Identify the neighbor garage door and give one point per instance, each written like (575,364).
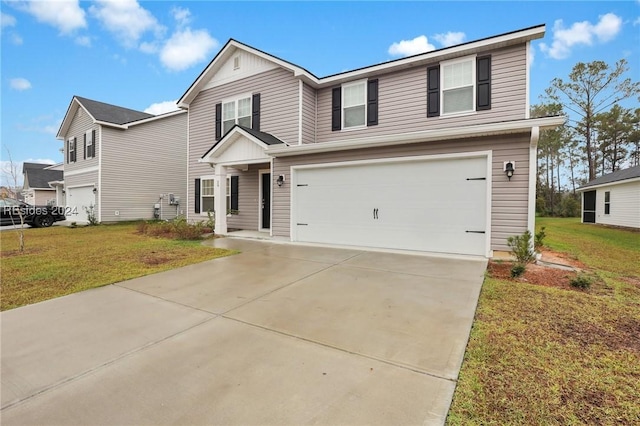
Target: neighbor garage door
(77,200)
(426,205)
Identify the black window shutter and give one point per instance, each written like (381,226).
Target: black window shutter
(218,121)
(197,196)
(372,102)
(234,192)
(483,77)
(75,149)
(433,91)
(336,108)
(255,113)
(68,151)
(93,145)
(85,147)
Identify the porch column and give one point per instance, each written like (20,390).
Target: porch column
(220,199)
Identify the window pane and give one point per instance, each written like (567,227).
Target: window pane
(354,116)
(456,75)
(207,187)
(245,121)
(457,100)
(229,111)
(207,204)
(227,125)
(353,95)
(607,194)
(244,107)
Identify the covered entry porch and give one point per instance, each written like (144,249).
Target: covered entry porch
(242,182)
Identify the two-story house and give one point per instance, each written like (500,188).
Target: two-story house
(123,164)
(433,152)
(40,181)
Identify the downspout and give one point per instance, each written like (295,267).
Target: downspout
(300,90)
(186,206)
(99,174)
(533,161)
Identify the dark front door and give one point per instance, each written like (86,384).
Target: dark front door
(589,207)
(266,200)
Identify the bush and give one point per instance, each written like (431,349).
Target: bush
(178,229)
(582,281)
(91,215)
(569,206)
(142,227)
(517,270)
(521,247)
(538,241)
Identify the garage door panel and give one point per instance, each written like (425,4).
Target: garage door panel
(78,199)
(421,205)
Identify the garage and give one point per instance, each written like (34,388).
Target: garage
(434,204)
(77,199)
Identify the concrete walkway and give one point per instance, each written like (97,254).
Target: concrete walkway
(279,334)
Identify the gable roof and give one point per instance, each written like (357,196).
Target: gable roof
(100,112)
(227,51)
(620,175)
(38,175)
(261,138)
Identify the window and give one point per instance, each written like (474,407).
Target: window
(206,193)
(607,202)
(237,111)
(458,81)
(354,101)
(89,148)
(228,193)
(71,150)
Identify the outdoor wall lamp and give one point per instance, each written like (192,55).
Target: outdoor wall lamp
(280,180)
(95,190)
(509,167)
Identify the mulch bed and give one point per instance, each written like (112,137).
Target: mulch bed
(534,274)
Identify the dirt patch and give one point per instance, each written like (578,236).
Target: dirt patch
(561,259)
(155,258)
(534,274)
(27,251)
(620,333)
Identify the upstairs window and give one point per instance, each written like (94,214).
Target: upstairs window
(458,88)
(71,150)
(237,111)
(89,144)
(354,101)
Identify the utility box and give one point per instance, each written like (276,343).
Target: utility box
(173,200)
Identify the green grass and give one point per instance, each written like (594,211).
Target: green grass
(60,260)
(543,355)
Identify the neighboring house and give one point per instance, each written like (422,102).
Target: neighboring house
(408,154)
(613,199)
(6,192)
(122,163)
(39,183)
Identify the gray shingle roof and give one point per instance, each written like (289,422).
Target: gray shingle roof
(630,173)
(112,113)
(267,138)
(38,177)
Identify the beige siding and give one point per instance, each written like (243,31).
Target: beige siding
(624,205)
(139,164)
(402,105)
(508,198)
(308,114)
(81,179)
(279,101)
(80,124)
(43,196)
(248,199)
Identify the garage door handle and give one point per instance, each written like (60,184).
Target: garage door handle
(375,213)
(482,178)
(302,224)
(475,232)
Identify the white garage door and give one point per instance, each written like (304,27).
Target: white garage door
(77,200)
(425,205)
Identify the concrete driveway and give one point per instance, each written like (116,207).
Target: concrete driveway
(279,334)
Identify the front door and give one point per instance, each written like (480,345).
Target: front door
(265,204)
(589,207)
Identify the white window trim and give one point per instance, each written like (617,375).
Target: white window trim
(203,212)
(607,203)
(353,83)
(471,58)
(90,142)
(70,145)
(235,100)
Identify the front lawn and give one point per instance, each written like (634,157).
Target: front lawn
(545,355)
(60,260)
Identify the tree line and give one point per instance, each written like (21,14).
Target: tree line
(600,136)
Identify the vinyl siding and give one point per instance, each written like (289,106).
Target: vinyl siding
(308,114)
(139,164)
(248,199)
(81,179)
(279,101)
(402,100)
(43,196)
(624,205)
(508,198)
(80,124)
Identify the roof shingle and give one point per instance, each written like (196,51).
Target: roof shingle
(38,177)
(112,113)
(630,173)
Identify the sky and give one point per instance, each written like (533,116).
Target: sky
(144,55)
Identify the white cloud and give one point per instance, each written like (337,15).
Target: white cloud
(83,41)
(20,84)
(581,33)
(182,16)
(532,55)
(637,21)
(65,15)
(162,107)
(450,38)
(186,48)
(419,44)
(7,20)
(40,160)
(16,39)
(126,19)
(149,48)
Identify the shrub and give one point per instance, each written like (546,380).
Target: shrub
(517,270)
(538,241)
(521,247)
(142,227)
(91,215)
(582,281)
